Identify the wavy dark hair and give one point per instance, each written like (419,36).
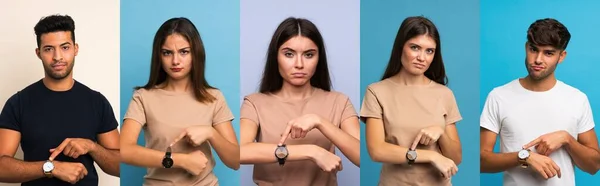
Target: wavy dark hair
(158,75)
(412,27)
(289,28)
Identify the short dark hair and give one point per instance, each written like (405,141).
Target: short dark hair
(54,23)
(289,28)
(158,75)
(548,32)
(412,27)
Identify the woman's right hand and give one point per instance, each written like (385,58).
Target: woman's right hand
(445,165)
(195,162)
(328,161)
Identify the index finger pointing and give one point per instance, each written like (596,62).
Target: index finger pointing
(285,134)
(59,149)
(183,134)
(416,142)
(532,143)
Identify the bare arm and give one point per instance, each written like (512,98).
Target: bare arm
(584,151)
(494,162)
(449,144)
(107,154)
(346,138)
(13,170)
(252,152)
(382,151)
(136,155)
(224,141)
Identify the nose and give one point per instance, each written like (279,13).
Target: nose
(538,58)
(176,59)
(299,62)
(58,55)
(421,56)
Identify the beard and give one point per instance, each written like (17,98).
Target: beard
(58,75)
(543,74)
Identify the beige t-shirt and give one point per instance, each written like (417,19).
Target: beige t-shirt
(405,110)
(164,115)
(272,114)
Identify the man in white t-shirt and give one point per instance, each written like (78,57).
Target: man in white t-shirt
(546,127)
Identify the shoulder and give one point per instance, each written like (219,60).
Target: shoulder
(571,92)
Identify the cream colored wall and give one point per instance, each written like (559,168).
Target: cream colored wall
(96,65)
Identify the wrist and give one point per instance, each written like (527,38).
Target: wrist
(311,151)
(318,122)
(568,139)
(426,156)
(179,160)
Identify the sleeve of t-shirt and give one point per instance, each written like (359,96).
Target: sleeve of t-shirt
(490,115)
(108,122)
(586,121)
(10,115)
(452,114)
(348,111)
(135,111)
(222,112)
(248,111)
(370,106)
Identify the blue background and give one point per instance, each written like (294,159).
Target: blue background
(218,24)
(503,35)
(458,24)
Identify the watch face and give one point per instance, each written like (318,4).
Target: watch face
(48,166)
(411,155)
(281,152)
(167,162)
(523,154)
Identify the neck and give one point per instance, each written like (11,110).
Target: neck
(406,78)
(289,91)
(181,85)
(538,85)
(59,85)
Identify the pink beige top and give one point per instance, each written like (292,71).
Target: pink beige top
(405,110)
(272,113)
(164,115)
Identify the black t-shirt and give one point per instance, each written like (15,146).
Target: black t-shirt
(45,118)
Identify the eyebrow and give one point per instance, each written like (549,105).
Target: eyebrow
(309,50)
(63,44)
(535,47)
(178,50)
(420,45)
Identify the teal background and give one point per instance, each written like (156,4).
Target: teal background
(218,24)
(458,24)
(504,27)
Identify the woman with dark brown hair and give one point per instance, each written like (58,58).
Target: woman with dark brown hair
(410,114)
(290,129)
(178,103)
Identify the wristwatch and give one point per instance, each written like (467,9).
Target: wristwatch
(48,167)
(523,155)
(281,153)
(411,156)
(167,162)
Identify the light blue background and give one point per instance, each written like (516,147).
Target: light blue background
(458,24)
(218,24)
(338,22)
(503,35)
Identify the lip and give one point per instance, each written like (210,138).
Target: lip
(419,65)
(176,69)
(59,66)
(537,68)
(298,75)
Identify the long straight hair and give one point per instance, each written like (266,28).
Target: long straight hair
(412,27)
(289,28)
(158,75)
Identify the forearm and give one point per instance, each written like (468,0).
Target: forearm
(144,157)
(257,153)
(107,159)
(491,162)
(389,153)
(228,152)
(17,171)
(348,144)
(586,158)
(450,148)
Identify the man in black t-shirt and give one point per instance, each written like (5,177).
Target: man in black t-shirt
(63,126)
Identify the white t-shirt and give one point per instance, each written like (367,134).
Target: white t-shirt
(519,116)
